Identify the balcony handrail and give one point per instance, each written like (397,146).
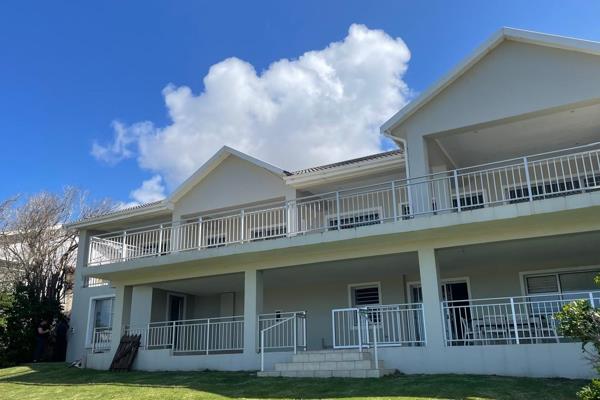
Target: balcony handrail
(533,297)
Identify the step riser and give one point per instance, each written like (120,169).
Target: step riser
(327,366)
(370,373)
(316,357)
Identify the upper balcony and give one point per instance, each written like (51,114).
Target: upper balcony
(526,179)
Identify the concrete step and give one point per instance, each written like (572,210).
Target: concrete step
(315,356)
(327,365)
(354,373)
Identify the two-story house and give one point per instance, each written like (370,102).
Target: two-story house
(449,255)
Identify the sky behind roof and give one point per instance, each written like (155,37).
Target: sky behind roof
(126,98)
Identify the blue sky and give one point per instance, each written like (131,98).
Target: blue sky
(69,69)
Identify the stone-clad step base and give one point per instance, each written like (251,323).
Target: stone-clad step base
(329,364)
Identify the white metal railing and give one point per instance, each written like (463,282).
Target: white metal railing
(507,320)
(221,334)
(391,325)
(540,176)
(281,331)
(101,339)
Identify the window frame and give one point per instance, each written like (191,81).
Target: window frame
(92,311)
(354,214)
(353,286)
(523,275)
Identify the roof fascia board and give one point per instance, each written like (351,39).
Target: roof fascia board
(164,206)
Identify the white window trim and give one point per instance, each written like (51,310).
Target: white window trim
(460,279)
(168,307)
(551,271)
(364,284)
(357,213)
(89,326)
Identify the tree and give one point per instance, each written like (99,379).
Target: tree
(38,255)
(580,320)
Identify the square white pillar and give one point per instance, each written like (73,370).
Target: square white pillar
(431,291)
(141,306)
(253,303)
(119,319)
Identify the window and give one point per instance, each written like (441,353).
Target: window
(216,241)
(94,282)
(364,295)
(544,191)
(103,313)
(469,201)
(100,317)
(561,282)
(269,232)
(355,220)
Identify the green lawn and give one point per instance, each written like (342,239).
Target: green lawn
(56,381)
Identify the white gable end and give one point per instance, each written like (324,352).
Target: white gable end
(234,181)
(514,78)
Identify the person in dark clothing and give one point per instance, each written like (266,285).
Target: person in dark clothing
(61,331)
(41,340)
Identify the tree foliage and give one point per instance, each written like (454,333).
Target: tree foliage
(580,320)
(38,254)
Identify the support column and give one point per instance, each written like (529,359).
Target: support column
(253,303)
(141,306)
(420,199)
(119,318)
(430,286)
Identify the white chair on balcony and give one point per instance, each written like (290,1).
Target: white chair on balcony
(493,328)
(469,334)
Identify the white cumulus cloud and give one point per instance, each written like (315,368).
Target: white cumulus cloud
(325,106)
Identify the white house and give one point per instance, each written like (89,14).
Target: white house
(449,255)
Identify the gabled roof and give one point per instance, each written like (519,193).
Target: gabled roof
(371,157)
(213,162)
(517,35)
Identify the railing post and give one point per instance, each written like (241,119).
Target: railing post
(304,344)
(456,191)
(172,337)
(409,197)
(207,334)
(295,333)
(591,299)
(359,320)
(262,351)
(160,239)
(514,319)
(337,208)
(199,232)
(394,202)
(124,253)
(375,347)
(526,166)
(242,225)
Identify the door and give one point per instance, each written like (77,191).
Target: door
(176,304)
(455,291)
